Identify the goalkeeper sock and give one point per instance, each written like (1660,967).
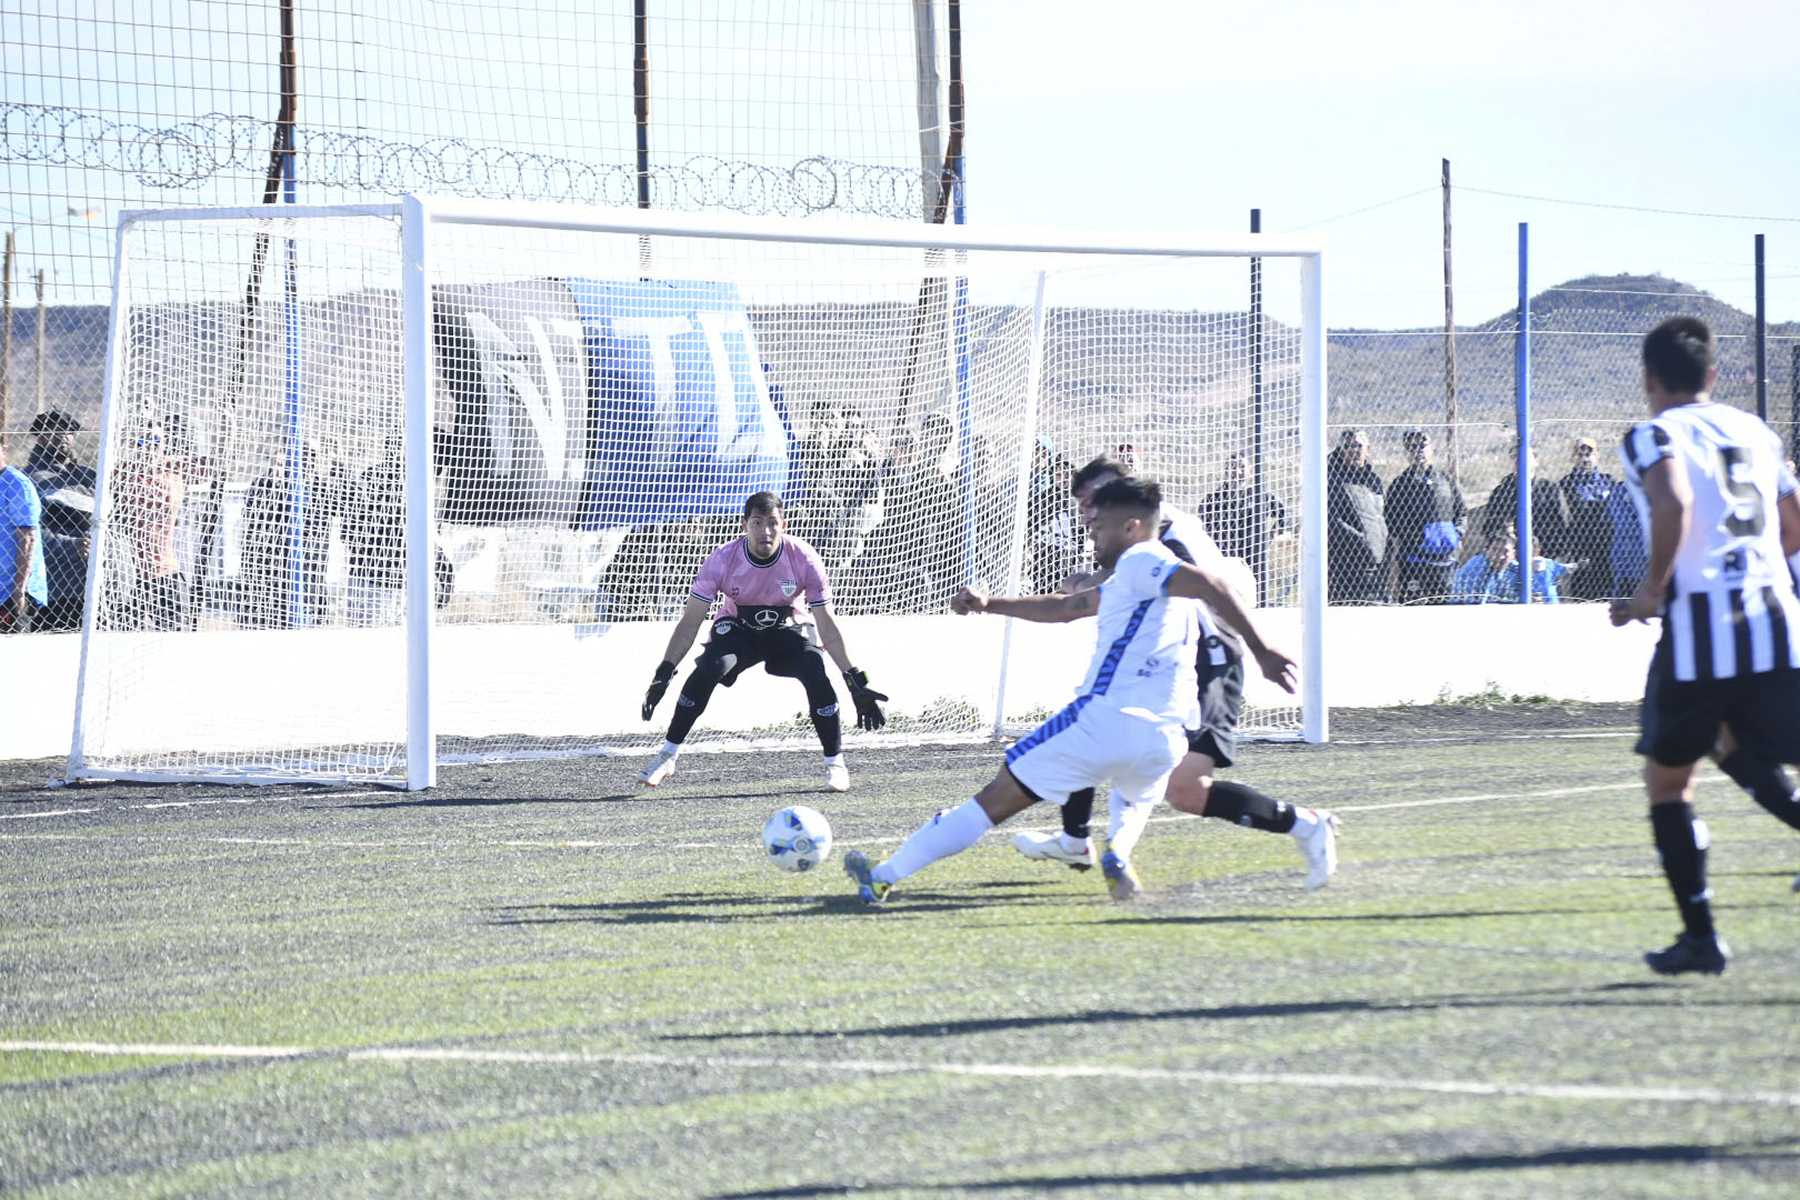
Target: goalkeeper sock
(831,733)
(1077,815)
(1682,839)
(695,692)
(1768,784)
(1248,807)
(1125,824)
(950,832)
(671,748)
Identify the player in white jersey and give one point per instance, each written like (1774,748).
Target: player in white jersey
(1721,516)
(1211,737)
(1127,723)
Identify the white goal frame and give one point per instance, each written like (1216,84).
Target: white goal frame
(418,216)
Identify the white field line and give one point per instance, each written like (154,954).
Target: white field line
(1600,1093)
(55,812)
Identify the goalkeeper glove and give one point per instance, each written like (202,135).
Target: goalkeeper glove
(665,671)
(868,708)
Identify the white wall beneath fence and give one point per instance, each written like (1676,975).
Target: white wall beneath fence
(564,680)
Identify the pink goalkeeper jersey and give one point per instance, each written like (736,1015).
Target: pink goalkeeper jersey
(729,574)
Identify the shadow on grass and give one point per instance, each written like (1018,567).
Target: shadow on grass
(1112,1185)
(1663,994)
(714,907)
(1286,917)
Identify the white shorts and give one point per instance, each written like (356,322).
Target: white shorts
(1090,741)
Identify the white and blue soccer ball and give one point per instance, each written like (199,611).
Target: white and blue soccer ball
(797,838)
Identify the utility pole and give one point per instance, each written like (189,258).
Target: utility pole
(40,340)
(6,338)
(1449,342)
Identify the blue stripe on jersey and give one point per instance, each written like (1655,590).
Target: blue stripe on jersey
(1047,730)
(1116,652)
(1102,680)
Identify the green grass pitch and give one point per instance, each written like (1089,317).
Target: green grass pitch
(536,981)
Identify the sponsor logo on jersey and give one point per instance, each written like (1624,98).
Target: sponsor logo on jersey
(765,618)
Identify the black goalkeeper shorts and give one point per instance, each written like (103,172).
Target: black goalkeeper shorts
(1221,707)
(737,647)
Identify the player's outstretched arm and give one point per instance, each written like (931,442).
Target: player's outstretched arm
(1671,502)
(1198,583)
(1054,609)
(680,642)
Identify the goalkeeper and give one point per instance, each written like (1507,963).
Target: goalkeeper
(759,579)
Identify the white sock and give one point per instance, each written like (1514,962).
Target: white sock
(1305,821)
(834,760)
(671,748)
(1125,824)
(1074,845)
(950,832)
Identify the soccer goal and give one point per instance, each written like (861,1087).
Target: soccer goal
(388,486)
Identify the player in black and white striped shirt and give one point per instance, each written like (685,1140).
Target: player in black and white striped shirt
(1721,516)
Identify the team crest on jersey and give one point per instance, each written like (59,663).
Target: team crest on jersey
(788,588)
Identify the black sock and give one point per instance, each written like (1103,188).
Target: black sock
(1768,784)
(822,705)
(1246,806)
(1681,839)
(695,692)
(1077,812)
(831,732)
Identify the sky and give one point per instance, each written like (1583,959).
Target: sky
(1134,116)
(1187,115)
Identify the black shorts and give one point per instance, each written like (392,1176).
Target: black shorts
(1679,721)
(1221,707)
(737,647)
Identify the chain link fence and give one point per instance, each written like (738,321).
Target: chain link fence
(1423,469)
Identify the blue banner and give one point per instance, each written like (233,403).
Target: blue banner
(598,404)
(683,421)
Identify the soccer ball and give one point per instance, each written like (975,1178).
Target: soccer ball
(797,838)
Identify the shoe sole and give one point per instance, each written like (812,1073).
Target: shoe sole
(1697,969)
(1035,856)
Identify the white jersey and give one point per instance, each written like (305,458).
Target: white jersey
(1144,650)
(1186,535)
(1731,608)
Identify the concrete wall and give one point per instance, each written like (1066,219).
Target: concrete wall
(341,685)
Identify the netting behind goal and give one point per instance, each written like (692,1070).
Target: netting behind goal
(602,401)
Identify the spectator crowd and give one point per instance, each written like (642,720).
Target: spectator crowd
(1413,540)
(901,521)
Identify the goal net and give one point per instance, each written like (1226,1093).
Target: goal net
(395,485)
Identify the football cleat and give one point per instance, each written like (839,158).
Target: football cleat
(1691,952)
(1320,848)
(1050,848)
(660,768)
(869,889)
(1796,883)
(1121,880)
(837,777)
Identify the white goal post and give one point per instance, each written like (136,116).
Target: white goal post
(384,486)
